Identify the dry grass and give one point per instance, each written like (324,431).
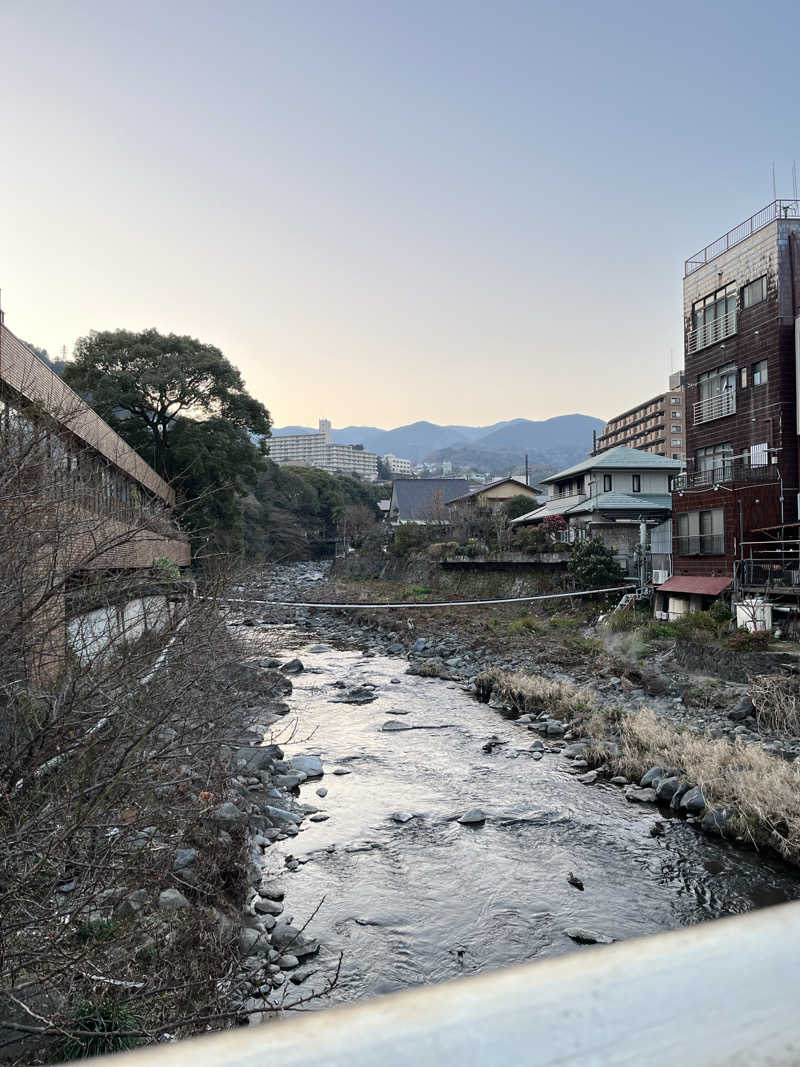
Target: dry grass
(762,790)
(529,694)
(777,702)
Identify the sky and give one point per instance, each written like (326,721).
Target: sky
(387,211)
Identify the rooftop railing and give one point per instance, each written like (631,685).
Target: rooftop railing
(778,209)
(727,470)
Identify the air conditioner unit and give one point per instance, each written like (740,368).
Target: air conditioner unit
(659,577)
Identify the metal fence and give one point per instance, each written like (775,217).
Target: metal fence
(778,209)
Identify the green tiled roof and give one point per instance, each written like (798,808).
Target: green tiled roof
(620,458)
(637,502)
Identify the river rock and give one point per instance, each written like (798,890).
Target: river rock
(316,649)
(267,907)
(397,711)
(281,814)
(311,766)
(302,973)
(587,937)
(642,796)
(294,666)
(575,750)
(401,816)
(743,710)
(392,725)
(473,817)
(253,942)
(619,779)
(288,963)
(172,900)
(227,812)
(271,892)
(717,821)
(682,789)
(339,771)
(589,778)
(693,802)
(319,817)
(184,857)
(285,936)
(651,777)
(667,788)
(322,791)
(290,781)
(133,903)
(358,695)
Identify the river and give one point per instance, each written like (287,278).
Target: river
(429,899)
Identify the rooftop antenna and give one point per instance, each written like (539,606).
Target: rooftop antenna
(794,178)
(774,192)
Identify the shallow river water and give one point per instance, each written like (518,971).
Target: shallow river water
(430,899)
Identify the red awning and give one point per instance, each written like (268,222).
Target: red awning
(684,583)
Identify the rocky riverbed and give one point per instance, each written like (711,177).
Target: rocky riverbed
(425,835)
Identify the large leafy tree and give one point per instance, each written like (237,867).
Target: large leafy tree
(183,406)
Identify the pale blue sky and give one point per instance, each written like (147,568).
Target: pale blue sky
(387,211)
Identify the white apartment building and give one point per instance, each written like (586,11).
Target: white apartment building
(318,450)
(398,466)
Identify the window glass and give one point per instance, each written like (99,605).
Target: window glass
(637,483)
(755,292)
(606,483)
(760,372)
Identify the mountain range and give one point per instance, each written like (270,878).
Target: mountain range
(551,443)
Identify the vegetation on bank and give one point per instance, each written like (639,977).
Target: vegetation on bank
(759,789)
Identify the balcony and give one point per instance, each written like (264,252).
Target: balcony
(712,332)
(715,407)
(726,470)
(700,545)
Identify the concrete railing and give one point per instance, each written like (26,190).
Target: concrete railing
(722,993)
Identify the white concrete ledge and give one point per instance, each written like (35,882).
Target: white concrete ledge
(721,993)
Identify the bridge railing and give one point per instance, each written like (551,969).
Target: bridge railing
(721,993)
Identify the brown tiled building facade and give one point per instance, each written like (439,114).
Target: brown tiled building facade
(657,426)
(741,304)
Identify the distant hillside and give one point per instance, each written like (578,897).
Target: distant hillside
(552,443)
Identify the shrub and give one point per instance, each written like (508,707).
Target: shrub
(720,612)
(103,1020)
(746,641)
(593,564)
(409,538)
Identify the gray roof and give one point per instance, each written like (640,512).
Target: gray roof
(619,458)
(419,499)
(635,503)
(491,485)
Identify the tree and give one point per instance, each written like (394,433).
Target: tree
(593,565)
(183,406)
(519,505)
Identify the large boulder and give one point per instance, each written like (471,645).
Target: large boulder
(652,777)
(667,788)
(693,802)
(311,766)
(288,938)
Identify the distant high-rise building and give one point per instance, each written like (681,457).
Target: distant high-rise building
(397,465)
(658,425)
(318,450)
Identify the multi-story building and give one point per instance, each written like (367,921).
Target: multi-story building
(78,505)
(318,450)
(657,426)
(396,465)
(742,340)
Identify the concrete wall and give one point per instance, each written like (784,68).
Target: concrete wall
(112,626)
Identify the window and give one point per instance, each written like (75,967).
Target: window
(713,463)
(676,428)
(760,373)
(714,317)
(743,377)
(701,533)
(754,292)
(714,382)
(675,455)
(636,480)
(675,400)
(606,483)
(759,455)
(676,443)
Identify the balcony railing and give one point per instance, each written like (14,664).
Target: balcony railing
(778,209)
(728,470)
(715,407)
(712,332)
(700,545)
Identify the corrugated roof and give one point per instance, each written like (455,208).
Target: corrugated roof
(419,499)
(699,586)
(619,458)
